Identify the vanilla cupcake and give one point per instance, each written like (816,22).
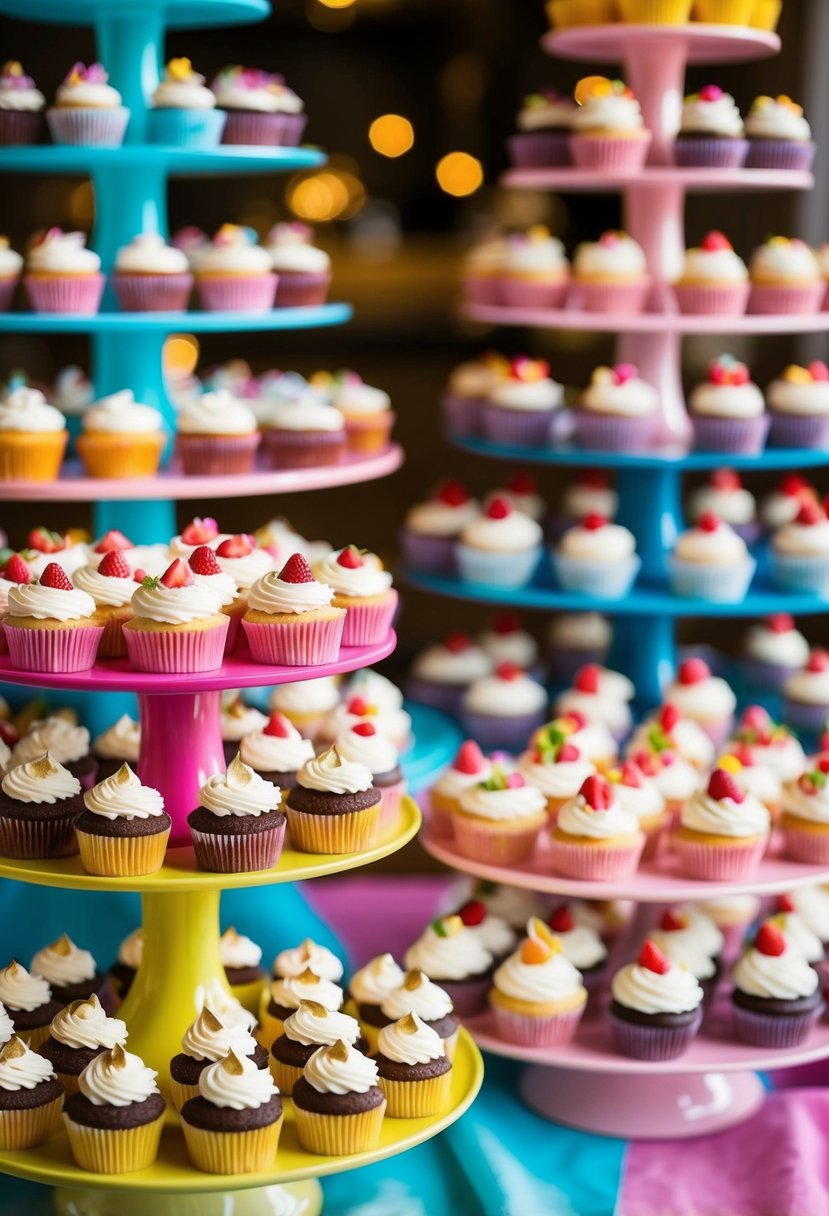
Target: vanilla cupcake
(303,271)
(62,275)
(441,673)
(184,112)
(367,412)
(498,821)
(706,699)
(714,279)
(217,434)
(151,276)
(535,271)
(785,278)
(798,402)
(594,837)
(611,275)
(608,132)
(597,558)
(21,106)
(234,273)
(121,437)
(87,110)
(617,411)
(799,552)
(779,135)
(261,108)
(728,410)
(537,995)
(711,562)
(520,408)
(431,528)
(501,547)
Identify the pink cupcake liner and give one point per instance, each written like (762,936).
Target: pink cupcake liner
(523,428)
(809,847)
(468,997)
(479,842)
(79,294)
(555,1030)
(303,449)
(238,293)
(775,1031)
(609,297)
(446,697)
(740,436)
(97,128)
(595,864)
(653,1042)
(430,554)
(238,854)
(539,149)
(799,431)
(719,863)
(217,455)
(785,301)
(274,130)
(302,290)
(653,839)
(160,651)
(7,289)
(506,732)
(609,153)
(366,624)
(390,798)
(710,153)
(727,299)
(461,415)
(4,646)
(300,644)
(31,838)
(519,293)
(482,289)
(54,650)
(804,716)
(614,433)
(152,292)
(780,154)
(18,128)
(234,632)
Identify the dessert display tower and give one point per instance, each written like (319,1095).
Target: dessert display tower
(586,1084)
(181,742)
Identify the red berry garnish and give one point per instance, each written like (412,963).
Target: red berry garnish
(652,959)
(457,642)
(505,623)
(235,546)
(818,370)
(769,940)
(756,719)
(365,729)
(521,482)
(509,671)
(722,785)
(725,479)
(708,522)
(810,513)
(9,733)
(358,707)
(785,903)
(594,522)
(596,793)
(55,576)
(568,753)
(203,561)
(470,759)
(744,754)
(473,913)
(715,241)
(561,919)
(452,494)
(115,565)
(296,570)
(668,717)
(818,661)
(16,570)
(587,679)
(278,726)
(693,671)
(671,922)
(113,540)
(632,775)
(177,575)
(515,782)
(793,485)
(780,622)
(45,541)
(497,508)
(200,531)
(350,558)
(594,479)
(578,719)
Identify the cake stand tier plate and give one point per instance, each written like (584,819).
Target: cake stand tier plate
(657,177)
(176,14)
(174,162)
(580,320)
(176,322)
(697,42)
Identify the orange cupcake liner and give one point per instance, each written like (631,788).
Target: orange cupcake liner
(31,457)
(116,457)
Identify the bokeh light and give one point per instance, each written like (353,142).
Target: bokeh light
(391,135)
(328,195)
(181,355)
(337,3)
(459,174)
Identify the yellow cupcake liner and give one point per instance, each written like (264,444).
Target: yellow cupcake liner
(26,456)
(179,1094)
(655,12)
(423,1099)
(34,1039)
(28,1128)
(564,14)
(103,1150)
(250,994)
(724,12)
(120,456)
(269,1028)
(348,833)
(285,1075)
(766,13)
(247,1152)
(122,856)
(339,1135)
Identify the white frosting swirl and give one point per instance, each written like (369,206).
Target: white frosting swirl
(576,818)
(131,950)
(713,266)
(790,397)
(706,700)
(359,400)
(810,687)
(807,540)
(812,807)
(677,991)
(711,116)
(64,741)
(273,754)
(724,817)
(117,1078)
(800,937)
(509,535)
(376,752)
(121,414)
(21,990)
(174,605)
(62,963)
(235,1083)
(248,569)
(517,646)
(367,580)
(289,990)
(311,956)
(331,773)
(678,949)
(611,542)
(22,1068)
(524,802)
(234,257)
(781,977)
(583,947)
(6,1026)
(239,719)
(599,709)
(632,398)
(553,980)
(618,258)
(149,253)
(727,400)
(410,1041)
(811,902)
(62,253)
(328,1074)
(84,1024)
(784,261)
(313,1025)
(236,950)
(270,594)
(121,741)
(105,589)
(417,994)
(40,781)
(456,956)
(374,982)
(306,697)
(307,413)
(239,791)
(49,603)
(722,546)
(777,119)
(612,112)
(495,695)
(122,796)
(735,506)
(211,1037)
(436,518)
(26,409)
(217,413)
(184,90)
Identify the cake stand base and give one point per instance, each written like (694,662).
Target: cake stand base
(663,1107)
(293,1199)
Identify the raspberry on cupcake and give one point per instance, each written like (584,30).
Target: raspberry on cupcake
(468,768)
(580,943)
(555,765)
(208,573)
(611,274)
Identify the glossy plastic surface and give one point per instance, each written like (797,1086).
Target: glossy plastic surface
(697,42)
(176,322)
(648,322)
(174,162)
(177,14)
(658,177)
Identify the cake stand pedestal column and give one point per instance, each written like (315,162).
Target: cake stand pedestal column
(644,648)
(650,506)
(129,42)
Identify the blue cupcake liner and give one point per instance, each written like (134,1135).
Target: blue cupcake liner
(186,128)
(497,569)
(800,572)
(721,584)
(607,580)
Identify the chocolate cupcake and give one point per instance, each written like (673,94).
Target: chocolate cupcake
(777,997)
(124,830)
(39,804)
(310,1027)
(277,752)
(208,1039)
(31,1097)
(454,956)
(65,741)
(285,998)
(238,825)
(233,1126)
(656,1007)
(70,972)
(367,990)
(334,807)
(119,744)
(238,720)
(413,1069)
(338,1105)
(114,1122)
(125,968)
(29,1003)
(432,1004)
(79,1033)
(241,958)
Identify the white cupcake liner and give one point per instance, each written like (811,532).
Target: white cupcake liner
(497,569)
(721,584)
(608,580)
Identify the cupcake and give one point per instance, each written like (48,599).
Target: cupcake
(498,820)
(33,437)
(554,765)
(502,709)
(334,807)
(234,273)
(537,995)
(79,1033)
(432,1004)
(177,625)
(286,995)
(500,547)
(775,746)
(611,275)
(799,552)
(303,270)
(216,435)
(151,276)
(781,505)
(413,1069)
(304,431)
(296,960)
(468,388)
(722,832)
(183,110)
(728,411)
(714,279)
(11,263)
(811,904)
(710,561)
(777,996)
(798,403)
(87,110)
(124,830)
(535,271)
(725,496)
(338,1105)
(656,1007)
(118,744)
(506,641)
(114,1122)
(120,437)
(62,275)
(70,971)
(580,943)
(617,411)
(608,133)
(364,744)
(590,492)
(575,639)
(237,826)
(482,271)
(597,558)
(123,971)
(806,693)
(368,988)
(639,792)
(111,586)
(28,1001)
(31,1097)
(785,278)
(431,529)
(597,696)
(594,839)
(374,706)
(261,109)
(39,805)
(307,704)
(310,1027)
(711,133)
(679,940)
(276,752)
(454,957)
(468,769)
(292,619)
(240,557)
(441,672)
(238,719)
(65,741)
(241,960)
(520,408)
(544,123)
(21,106)
(363,588)
(704,698)
(779,136)
(207,1039)
(805,815)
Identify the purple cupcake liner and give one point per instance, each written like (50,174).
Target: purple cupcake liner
(770,676)
(152,292)
(741,436)
(504,732)
(812,848)
(18,128)
(238,293)
(239,854)
(496,569)
(710,153)
(429,554)
(614,433)
(719,863)
(446,697)
(79,294)
(750,532)
(653,1042)
(794,572)
(610,153)
(55,650)
(32,838)
(96,128)
(775,1031)
(592,864)
(521,293)
(783,154)
(478,841)
(610,297)
(799,430)
(157,650)
(461,415)
(786,301)
(523,428)
(804,716)
(273,130)
(217,455)
(302,290)
(721,584)
(366,624)
(299,644)
(303,449)
(727,299)
(555,1030)
(539,149)
(468,997)
(7,289)
(482,289)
